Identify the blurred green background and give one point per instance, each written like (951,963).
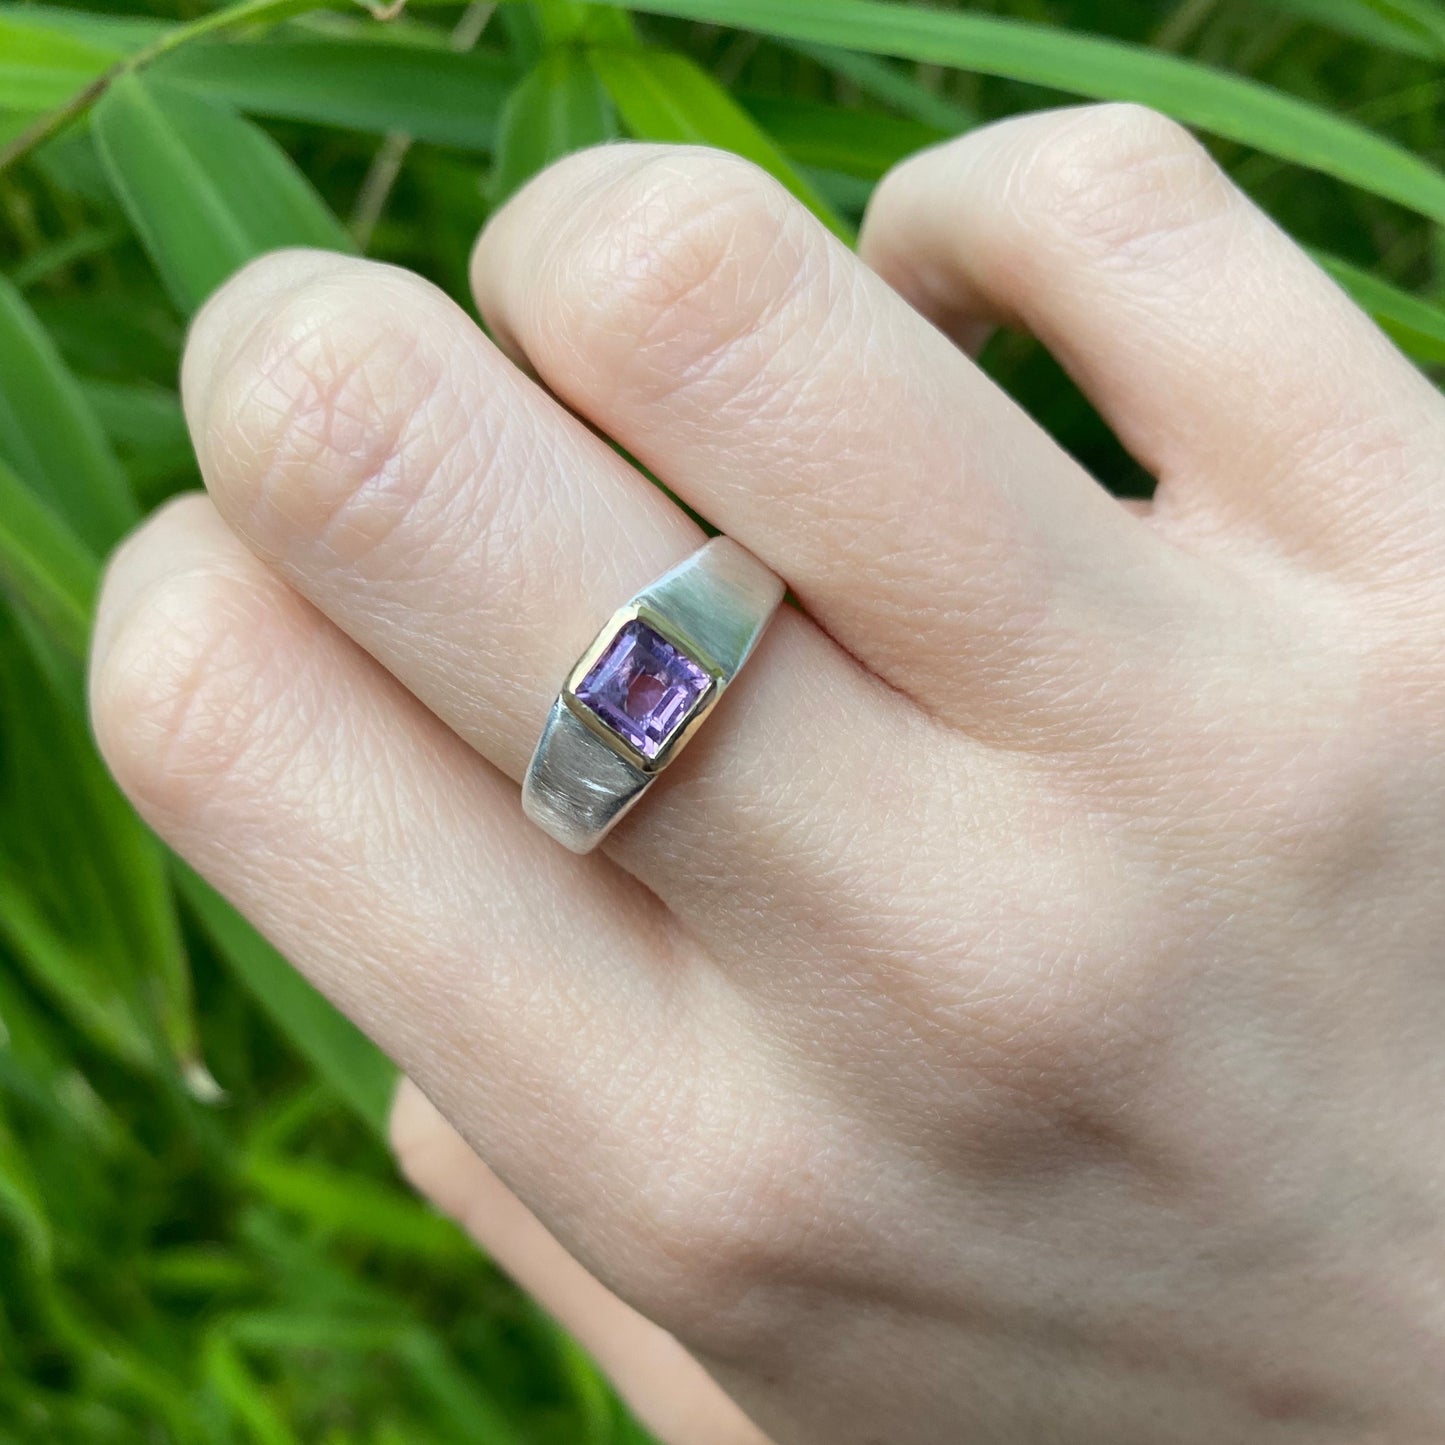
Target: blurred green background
(201,1235)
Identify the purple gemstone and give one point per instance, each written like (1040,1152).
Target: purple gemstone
(643,688)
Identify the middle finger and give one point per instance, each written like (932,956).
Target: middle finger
(365,438)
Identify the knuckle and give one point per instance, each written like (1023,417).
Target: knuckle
(335,415)
(699,255)
(182,698)
(1120,179)
(1059,1039)
(719,1237)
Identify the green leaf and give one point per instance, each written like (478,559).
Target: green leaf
(41,66)
(558,107)
(205,190)
(44,568)
(146,426)
(128,334)
(663,96)
(887,83)
(60,255)
(84,898)
(569,22)
(21,1200)
(355,1068)
(14,123)
(48,434)
(338,1203)
(1225,105)
(858,143)
(1412,27)
(1415,326)
(429,94)
(469,1415)
(115,35)
(237,1385)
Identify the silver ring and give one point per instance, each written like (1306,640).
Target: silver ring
(640,692)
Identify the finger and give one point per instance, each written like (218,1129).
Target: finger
(668,1390)
(690,308)
(365,438)
(530,992)
(1228,363)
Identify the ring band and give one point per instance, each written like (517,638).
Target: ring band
(642,689)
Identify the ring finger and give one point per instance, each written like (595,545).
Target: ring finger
(365,438)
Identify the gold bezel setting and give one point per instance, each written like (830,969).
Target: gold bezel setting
(675,637)
(645,690)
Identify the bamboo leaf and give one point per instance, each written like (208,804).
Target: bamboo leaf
(205,190)
(558,107)
(1412,27)
(858,143)
(1415,326)
(663,96)
(41,66)
(1225,105)
(558,23)
(50,437)
(44,567)
(147,428)
(887,83)
(429,94)
(84,899)
(113,34)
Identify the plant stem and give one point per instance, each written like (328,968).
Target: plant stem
(231,17)
(386,166)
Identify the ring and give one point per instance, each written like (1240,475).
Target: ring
(640,692)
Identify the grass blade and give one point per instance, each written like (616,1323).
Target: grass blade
(1412,27)
(337,1203)
(896,90)
(858,143)
(1086,65)
(1415,326)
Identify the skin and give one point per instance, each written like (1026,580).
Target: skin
(1017,1017)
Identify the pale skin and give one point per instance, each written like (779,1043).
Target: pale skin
(1018,1015)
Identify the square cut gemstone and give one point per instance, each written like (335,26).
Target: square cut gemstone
(642,687)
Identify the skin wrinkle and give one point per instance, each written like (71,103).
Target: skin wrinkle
(466,565)
(1055,1057)
(672,262)
(338,854)
(967,529)
(328,430)
(1017,258)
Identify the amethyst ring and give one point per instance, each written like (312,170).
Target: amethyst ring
(643,688)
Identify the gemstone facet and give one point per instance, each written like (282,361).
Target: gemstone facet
(643,688)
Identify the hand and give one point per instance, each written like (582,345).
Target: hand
(1018,1016)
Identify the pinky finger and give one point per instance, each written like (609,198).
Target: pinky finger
(669,1391)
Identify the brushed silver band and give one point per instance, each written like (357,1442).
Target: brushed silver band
(585,775)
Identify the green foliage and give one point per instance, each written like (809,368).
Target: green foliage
(201,1236)
(205,190)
